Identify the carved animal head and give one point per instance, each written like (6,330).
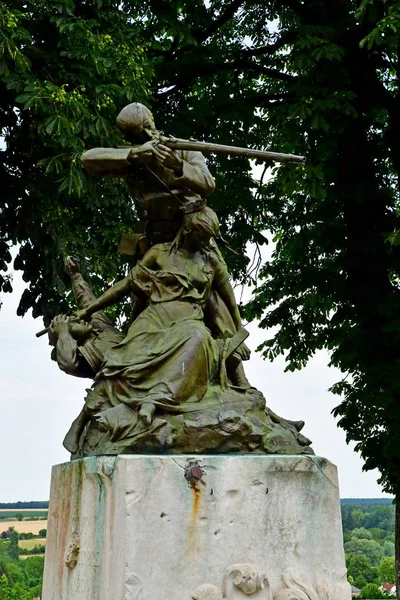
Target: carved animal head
(246,578)
(207,592)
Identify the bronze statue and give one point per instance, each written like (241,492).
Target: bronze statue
(175,381)
(165,185)
(80,346)
(162,183)
(168,357)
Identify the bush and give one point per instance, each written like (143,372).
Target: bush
(372,591)
(360,582)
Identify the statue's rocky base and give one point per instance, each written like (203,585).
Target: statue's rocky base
(231,421)
(195,527)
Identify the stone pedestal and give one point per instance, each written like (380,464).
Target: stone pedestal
(204,528)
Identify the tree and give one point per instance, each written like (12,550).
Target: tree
(19,516)
(360,582)
(15,574)
(361,533)
(371,591)
(12,593)
(13,549)
(381,516)
(388,548)
(352,518)
(65,69)
(324,81)
(386,570)
(360,566)
(33,567)
(369,548)
(377,534)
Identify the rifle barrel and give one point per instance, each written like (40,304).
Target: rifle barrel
(42,332)
(180,144)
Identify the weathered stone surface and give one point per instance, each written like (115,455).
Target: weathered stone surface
(195,527)
(229,422)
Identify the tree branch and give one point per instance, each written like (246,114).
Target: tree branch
(286,38)
(295,5)
(273,73)
(202,35)
(211,69)
(261,100)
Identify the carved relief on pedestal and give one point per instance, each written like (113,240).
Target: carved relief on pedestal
(207,592)
(247,579)
(133,587)
(323,585)
(242,576)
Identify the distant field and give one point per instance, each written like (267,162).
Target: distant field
(24,526)
(7,513)
(24,556)
(30,544)
(24,510)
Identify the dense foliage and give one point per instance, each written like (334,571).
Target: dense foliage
(368,533)
(65,68)
(319,77)
(19,579)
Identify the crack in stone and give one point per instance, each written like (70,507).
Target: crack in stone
(314,461)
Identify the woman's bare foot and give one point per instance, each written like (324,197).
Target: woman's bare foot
(146,412)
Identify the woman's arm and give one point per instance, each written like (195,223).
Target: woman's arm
(225,290)
(111,296)
(222,286)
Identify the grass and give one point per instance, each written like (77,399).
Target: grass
(9,514)
(30,544)
(24,510)
(24,556)
(24,526)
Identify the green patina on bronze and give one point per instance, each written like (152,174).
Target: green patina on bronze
(175,382)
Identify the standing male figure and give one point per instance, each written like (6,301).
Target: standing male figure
(163,183)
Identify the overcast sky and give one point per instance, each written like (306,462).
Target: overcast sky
(40,402)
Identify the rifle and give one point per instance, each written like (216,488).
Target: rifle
(191,144)
(46,329)
(181,144)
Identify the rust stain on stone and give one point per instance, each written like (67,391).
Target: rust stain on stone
(196,501)
(193,519)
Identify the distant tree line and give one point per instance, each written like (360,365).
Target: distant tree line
(25,505)
(362,501)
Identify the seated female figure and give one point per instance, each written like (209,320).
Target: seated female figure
(168,356)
